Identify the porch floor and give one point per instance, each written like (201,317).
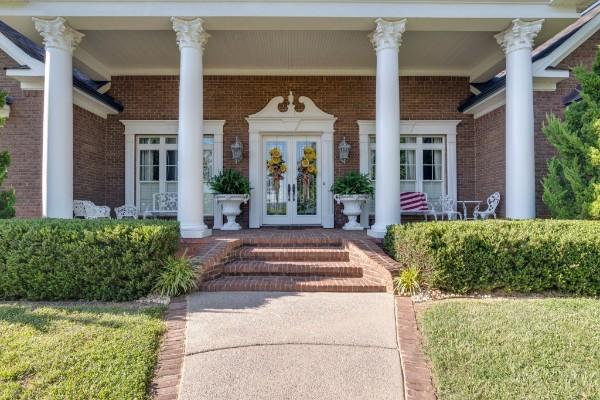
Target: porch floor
(292,260)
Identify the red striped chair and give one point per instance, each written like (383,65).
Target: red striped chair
(415,203)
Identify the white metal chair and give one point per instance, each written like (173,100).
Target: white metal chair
(492,204)
(448,205)
(88,210)
(163,205)
(126,211)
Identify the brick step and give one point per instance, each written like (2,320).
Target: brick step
(291,284)
(309,254)
(262,268)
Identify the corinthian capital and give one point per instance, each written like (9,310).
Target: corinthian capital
(387,34)
(190,32)
(57,33)
(519,35)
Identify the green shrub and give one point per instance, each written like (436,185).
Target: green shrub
(229,181)
(77,259)
(353,183)
(520,256)
(177,277)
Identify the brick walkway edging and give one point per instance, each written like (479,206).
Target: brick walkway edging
(418,381)
(167,375)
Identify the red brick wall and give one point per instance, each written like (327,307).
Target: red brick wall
(490,131)
(233,98)
(490,156)
(88,156)
(22,136)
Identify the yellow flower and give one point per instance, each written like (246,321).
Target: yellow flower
(309,153)
(312,169)
(275,152)
(283,168)
(305,163)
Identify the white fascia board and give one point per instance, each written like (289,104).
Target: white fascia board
(560,53)
(22,58)
(307,8)
(80,98)
(91,104)
(488,104)
(541,83)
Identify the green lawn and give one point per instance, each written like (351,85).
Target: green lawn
(75,352)
(514,349)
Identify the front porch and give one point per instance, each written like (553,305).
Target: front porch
(164,120)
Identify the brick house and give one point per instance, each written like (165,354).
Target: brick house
(114,102)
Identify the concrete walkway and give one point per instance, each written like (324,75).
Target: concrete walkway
(275,345)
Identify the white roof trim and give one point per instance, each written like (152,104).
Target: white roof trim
(570,45)
(33,79)
(22,58)
(544,83)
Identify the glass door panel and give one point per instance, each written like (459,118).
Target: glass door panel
(276,196)
(306,178)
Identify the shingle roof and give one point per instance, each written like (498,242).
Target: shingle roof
(488,88)
(80,80)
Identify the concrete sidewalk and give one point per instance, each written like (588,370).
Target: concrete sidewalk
(274,345)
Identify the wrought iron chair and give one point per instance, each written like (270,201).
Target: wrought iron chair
(448,205)
(492,204)
(164,204)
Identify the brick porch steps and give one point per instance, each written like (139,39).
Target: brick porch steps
(299,262)
(290,268)
(293,254)
(291,284)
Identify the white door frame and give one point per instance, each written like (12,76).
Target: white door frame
(309,122)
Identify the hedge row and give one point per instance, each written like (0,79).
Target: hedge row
(88,260)
(519,256)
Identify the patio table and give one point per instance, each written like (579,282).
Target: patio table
(464,203)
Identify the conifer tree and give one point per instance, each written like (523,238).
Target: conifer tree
(572,186)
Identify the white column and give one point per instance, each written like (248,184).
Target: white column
(386,40)
(57,148)
(517,42)
(191,39)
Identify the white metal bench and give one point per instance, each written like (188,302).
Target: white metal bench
(88,210)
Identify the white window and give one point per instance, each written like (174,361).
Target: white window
(422,165)
(157,169)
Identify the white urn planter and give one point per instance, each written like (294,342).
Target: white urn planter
(352,209)
(231,209)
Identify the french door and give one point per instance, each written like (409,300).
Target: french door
(291,180)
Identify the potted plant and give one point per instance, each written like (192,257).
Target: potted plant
(353,190)
(231,189)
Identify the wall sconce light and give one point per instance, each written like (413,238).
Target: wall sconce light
(344,150)
(236,150)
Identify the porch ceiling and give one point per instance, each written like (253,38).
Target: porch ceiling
(288,46)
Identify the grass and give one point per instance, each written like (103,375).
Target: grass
(514,349)
(77,352)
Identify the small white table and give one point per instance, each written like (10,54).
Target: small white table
(464,205)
